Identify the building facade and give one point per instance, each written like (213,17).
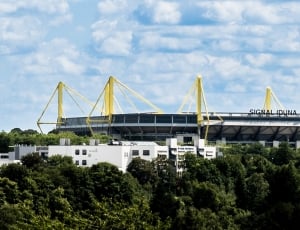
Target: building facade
(118,153)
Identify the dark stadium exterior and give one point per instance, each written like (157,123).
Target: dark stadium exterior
(232,127)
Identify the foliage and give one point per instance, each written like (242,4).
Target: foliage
(251,187)
(32,160)
(4,142)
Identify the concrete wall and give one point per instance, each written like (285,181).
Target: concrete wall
(23,150)
(118,155)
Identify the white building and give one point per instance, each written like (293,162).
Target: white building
(177,151)
(4,159)
(119,154)
(21,151)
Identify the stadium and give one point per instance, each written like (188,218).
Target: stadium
(266,125)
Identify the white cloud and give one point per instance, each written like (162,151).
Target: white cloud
(287,40)
(225,11)
(227,67)
(17,31)
(108,7)
(155,47)
(60,19)
(290,62)
(102,29)
(58,10)
(250,12)
(8,7)
(118,44)
(55,57)
(166,12)
(48,6)
(226,45)
(157,41)
(236,87)
(110,40)
(69,66)
(259,60)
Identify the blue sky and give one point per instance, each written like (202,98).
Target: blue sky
(155,47)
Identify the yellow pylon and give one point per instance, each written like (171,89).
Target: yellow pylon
(268,100)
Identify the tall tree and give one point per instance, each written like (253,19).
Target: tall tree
(4,142)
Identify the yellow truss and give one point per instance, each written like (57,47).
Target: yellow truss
(198,91)
(61,87)
(109,101)
(268,100)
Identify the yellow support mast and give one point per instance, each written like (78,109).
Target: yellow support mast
(60,113)
(108,100)
(59,90)
(200,98)
(268,100)
(198,91)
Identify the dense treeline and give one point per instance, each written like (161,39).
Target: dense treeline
(251,187)
(32,137)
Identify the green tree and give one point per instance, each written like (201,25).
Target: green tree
(110,182)
(15,172)
(284,184)
(4,142)
(282,155)
(256,148)
(256,164)
(9,216)
(32,160)
(59,206)
(232,171)
(143,170)
(236,149)
(9,191)
(119,215)
(256,191)
(59,161)
(208,195)
(202,169)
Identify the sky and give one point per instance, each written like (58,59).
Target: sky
(156,48)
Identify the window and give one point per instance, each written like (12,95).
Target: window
(83,162)
(77,152)
(187,140)
(209,153)
(135,152)
(146,152)
(76,162)
(84,152)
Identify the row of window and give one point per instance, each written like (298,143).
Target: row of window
(134,152)
(137,152)
(83,162)
(77,152)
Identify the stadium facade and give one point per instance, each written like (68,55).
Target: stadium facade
(266,125)
(233,128)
